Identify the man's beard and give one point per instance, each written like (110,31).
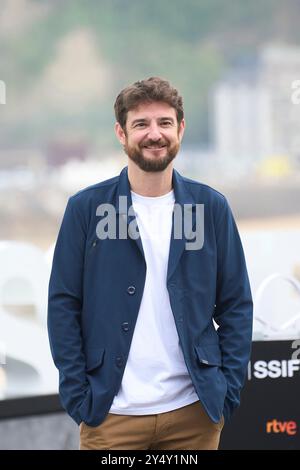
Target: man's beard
(154,164)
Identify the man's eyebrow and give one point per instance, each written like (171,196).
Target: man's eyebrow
(135,121)
(165,118)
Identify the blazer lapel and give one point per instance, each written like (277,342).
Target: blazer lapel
(184,207)
(125,212)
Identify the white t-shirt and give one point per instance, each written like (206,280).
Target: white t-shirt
(155,379)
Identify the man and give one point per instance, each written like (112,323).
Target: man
(133,302)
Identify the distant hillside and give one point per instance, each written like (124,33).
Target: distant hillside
(190,42)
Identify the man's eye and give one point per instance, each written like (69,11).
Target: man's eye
(166,123)
(140,124)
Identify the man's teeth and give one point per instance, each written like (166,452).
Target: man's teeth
(154,147)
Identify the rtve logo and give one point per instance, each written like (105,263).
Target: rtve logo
(273,369)
(288,427)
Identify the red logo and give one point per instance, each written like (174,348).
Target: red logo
(288,427)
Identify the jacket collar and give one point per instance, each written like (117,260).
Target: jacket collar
(181,191)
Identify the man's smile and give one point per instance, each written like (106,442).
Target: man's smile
(154,147)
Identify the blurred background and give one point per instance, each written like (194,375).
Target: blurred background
(62,64)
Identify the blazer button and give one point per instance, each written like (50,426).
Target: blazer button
(125,326)
(119,361)
(131,290)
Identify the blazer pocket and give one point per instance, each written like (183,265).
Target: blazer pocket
(94,358)
(209,355)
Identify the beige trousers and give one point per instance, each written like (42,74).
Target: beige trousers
(187,428)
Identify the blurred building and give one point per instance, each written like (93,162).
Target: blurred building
(254,118)
(59,152)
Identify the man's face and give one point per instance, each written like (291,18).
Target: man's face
(152,136)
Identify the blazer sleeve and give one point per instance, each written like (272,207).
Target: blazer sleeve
(64,310)
(234,308)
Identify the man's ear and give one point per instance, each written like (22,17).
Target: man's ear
(120,133)
(181,128)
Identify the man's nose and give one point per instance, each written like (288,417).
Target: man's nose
(154,132)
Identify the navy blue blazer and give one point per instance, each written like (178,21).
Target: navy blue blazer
(96,287)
